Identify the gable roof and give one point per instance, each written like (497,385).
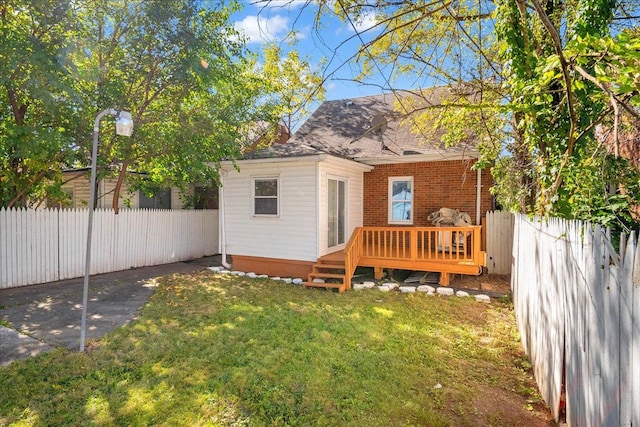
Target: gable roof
(366,129)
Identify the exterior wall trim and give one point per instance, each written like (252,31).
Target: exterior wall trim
(272,266)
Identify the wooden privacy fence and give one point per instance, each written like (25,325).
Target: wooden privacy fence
(38,246)
(577,303)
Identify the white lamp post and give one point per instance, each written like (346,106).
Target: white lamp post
(124,126)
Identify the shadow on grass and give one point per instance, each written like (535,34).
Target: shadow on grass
(220,350)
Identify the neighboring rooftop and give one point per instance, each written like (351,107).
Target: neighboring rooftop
(365,129)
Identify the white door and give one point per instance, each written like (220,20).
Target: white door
(337,202)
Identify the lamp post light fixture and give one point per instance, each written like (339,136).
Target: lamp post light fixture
(124,126)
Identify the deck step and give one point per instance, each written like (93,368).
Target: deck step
(329,266)
(333,269)
(321,275)
(339,286)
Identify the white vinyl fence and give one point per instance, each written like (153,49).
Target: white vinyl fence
(38,246)
(499,238)
(577,303)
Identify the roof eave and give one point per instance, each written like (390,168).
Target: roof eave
(292,159)
(440,156)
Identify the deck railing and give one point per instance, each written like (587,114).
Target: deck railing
(353,252)
(446,244)
(443,249)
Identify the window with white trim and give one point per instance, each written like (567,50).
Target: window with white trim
(401,200)
(265,196)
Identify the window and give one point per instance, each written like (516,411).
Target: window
(401,200)
(159,200)
(265,196)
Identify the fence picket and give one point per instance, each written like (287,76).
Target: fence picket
(3,246)
(38,246)
(634,344)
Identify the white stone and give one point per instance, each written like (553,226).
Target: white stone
(444,291)
(430,293)
(317,280)
(275,278)
(252,275)
(224,271)
(462,294)
(369,285)
(216,269)
(297,281)
(391,285)
(384,288)
(287,280)
(407,289)
(263,276)
(238,273)
(426,288)
(358,286)
(483,298)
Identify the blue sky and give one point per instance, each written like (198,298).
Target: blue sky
(336,42)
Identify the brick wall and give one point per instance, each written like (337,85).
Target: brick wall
(450,184)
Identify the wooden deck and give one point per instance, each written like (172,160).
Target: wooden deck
(447,250)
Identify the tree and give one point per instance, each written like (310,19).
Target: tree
(178,66)
(542,77)
(294,82)
(567,75)
(38,118)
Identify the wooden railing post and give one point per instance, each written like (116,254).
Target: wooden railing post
(477,242)
(413,235)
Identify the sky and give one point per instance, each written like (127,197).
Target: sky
(335,43)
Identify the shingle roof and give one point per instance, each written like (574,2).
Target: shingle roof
(347,128)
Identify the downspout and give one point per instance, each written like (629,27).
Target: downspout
(478,196)
(221,223)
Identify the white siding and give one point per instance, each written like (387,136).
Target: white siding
(293,234)
(176,199)
(353,174)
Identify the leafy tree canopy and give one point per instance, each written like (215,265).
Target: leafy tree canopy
(534,80)
(295,82)
(178,66)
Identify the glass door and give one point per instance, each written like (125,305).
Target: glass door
(337,212)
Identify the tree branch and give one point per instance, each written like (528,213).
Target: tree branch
(557,45)
(614,98)
(116,191)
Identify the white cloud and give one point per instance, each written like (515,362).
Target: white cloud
(365,22)
(259,29)
(278,3)
(302,33)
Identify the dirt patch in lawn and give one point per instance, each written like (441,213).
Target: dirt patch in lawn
(497,407)
(485,282)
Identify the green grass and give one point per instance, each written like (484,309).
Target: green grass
(219,350)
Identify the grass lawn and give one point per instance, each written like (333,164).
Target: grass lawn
(224,350)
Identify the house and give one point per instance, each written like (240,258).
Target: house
(352,178)
(76,185)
